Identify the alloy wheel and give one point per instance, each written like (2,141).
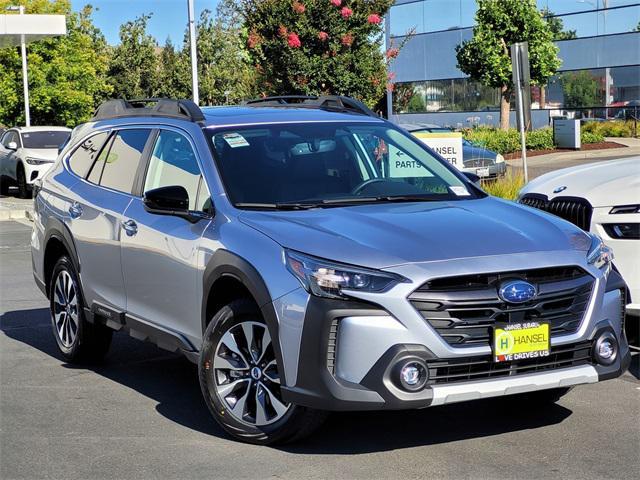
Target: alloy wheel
(65,309)
(246,375)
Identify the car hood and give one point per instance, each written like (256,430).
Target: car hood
(383,235)
(40,153)
(471,152)
(603,184)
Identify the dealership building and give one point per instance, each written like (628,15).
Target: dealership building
(599,45)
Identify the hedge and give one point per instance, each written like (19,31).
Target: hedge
(508,141)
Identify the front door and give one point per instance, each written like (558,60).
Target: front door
(160,254)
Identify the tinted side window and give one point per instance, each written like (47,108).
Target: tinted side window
(82,158)
(121,164)
(173,162)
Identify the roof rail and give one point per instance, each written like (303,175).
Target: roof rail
(139,107)
(324,102)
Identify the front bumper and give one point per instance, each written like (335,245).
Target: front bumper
(490,171)
(348,351)
(34,172)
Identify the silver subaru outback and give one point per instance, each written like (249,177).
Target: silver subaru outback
(310,256)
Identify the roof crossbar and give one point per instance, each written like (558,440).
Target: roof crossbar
(325,102)
(149,107)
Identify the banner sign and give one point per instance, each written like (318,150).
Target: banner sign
(447,144)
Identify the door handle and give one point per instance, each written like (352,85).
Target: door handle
(130,228)
(75,210)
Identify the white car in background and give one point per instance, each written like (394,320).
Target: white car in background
(26,153)
(603,198)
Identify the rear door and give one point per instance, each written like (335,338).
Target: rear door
(159,256)
(95,214)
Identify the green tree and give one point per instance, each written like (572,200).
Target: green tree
(133,69)
(173,79)
(486,57)
(318,46)
(557,26)
(66,73)
(225,73)
(580,89)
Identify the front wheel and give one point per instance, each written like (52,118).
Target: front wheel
(240,380)
(24,190)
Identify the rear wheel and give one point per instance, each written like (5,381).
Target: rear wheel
(24,190)
(77,339)
(240,380)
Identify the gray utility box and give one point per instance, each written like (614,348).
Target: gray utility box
(566,134)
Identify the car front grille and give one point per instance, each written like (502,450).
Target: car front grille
(573,209)
(478,368)
(464,309)
(478,162)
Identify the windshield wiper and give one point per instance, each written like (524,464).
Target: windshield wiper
(278,206)
(379,198)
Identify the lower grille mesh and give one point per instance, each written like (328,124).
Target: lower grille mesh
(477,368)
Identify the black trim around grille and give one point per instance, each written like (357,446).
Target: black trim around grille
(464,309)
(573,209)
(478,368)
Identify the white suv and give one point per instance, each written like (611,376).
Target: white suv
(26,153)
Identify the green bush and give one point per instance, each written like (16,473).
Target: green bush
(540,139)
(590,137)
(509,141)
(614,128)
(493,139)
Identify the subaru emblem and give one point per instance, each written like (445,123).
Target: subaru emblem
(517,291)
(560,189)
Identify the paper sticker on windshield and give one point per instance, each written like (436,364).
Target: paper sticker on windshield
(460,191)
(235,140)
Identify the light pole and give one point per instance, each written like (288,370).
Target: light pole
(194,53)
(25,78)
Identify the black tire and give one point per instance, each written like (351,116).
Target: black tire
(24,190)
(87,342)
(4,186)
(297,423)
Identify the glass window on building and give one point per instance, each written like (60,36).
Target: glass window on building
(406,17)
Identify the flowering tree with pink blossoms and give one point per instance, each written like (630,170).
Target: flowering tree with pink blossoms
(319,47)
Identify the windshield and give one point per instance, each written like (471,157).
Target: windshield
(44,139)
(324,164)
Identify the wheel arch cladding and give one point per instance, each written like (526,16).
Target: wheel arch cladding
(58,241)
(229,276)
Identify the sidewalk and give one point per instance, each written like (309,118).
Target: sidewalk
(541,164)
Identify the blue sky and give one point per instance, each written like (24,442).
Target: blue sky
(169,17)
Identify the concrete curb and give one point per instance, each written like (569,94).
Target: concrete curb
(16,214)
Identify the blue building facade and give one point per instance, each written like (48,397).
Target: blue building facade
(599,43)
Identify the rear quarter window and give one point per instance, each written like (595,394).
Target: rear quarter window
(83,157)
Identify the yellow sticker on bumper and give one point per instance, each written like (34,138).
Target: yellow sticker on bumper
(518,341)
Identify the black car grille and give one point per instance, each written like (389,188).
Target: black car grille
(575,210)
(463,310)
(477,368)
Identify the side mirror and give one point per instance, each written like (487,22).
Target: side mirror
(172,200)
(12,146)
(475,179)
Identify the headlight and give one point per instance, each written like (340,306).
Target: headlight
(499,158)
(328,279)
(599,254)
(37,161)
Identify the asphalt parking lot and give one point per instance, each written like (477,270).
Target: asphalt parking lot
(140,415)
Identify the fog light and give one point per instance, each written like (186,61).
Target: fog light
(606,349)
(413,375)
